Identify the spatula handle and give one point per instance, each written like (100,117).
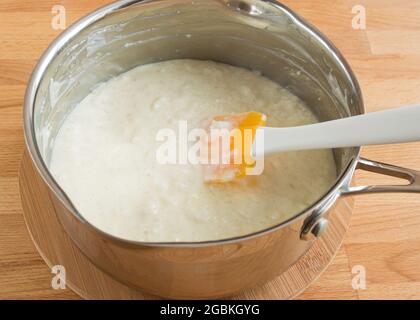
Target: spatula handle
(391,126)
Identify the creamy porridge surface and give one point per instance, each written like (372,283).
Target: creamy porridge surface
(104,156)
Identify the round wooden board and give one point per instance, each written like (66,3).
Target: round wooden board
(56,248)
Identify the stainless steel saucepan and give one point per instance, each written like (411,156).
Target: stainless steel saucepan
(258,35)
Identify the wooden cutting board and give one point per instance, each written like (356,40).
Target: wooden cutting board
(384,236)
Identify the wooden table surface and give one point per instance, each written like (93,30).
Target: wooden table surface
(384,237)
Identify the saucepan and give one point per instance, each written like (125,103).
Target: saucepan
(258,35)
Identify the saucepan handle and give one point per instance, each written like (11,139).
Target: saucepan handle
(316,224)
(412,176)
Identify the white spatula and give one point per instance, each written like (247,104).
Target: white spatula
(385,127)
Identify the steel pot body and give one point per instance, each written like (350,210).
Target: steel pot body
(258,35)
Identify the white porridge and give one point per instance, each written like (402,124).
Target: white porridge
(104,156)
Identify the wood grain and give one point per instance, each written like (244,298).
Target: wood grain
(384,235)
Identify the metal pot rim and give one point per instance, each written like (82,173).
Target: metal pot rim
(70,32)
